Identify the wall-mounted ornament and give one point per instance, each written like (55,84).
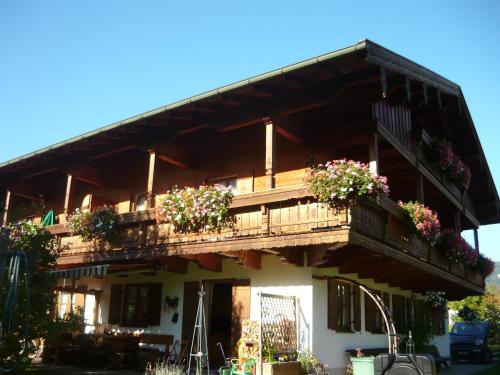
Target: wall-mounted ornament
(171,303)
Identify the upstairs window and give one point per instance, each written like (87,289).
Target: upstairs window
(231,181)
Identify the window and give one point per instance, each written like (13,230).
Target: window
(140,202)
(135,305)
(228,181)
(343,307)
(70,302)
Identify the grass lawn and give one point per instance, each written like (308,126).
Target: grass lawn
(495,370)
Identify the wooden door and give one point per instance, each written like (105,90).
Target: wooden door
(240,311)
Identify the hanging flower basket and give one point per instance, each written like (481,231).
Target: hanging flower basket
(424,220)
(196,210)
(99,225)
(339,182)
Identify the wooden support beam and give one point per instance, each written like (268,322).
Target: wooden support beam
(176,264)
(39,173)
(457,222)
(113,152)
(151,174)
(250,259)
(88,174)
(420,189)
(476,239)
(289,135)
(67,196)
(293,256)
(317,256)
(373,153)
(209,261)
(270,153)
(171,153)
(6,208)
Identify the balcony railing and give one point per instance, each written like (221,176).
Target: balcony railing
(290,213)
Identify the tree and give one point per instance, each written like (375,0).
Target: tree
(41,249)
(486,307)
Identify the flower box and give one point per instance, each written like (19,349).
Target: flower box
(439,259)
(363,365)
(281,368)
(458,269)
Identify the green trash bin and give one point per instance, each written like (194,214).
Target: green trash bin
(363,365)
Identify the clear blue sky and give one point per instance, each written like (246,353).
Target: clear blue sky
(67,67)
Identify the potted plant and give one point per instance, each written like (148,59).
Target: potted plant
(424,220)
(275,363)
(361,364)
(310,364)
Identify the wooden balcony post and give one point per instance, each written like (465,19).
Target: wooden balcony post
(476,239)
(6,208)
(151,174)
(420,189)
(457,223)
(68,194)
(373,153)
(270,153)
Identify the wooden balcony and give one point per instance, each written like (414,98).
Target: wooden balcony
(274,221)
(395,125)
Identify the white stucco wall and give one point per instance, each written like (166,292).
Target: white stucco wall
(275,277)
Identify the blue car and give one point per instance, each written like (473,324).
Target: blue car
(477,341)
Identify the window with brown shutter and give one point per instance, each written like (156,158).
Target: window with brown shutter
(141,305)
(399,313)
(373,317)
(115,304)
(339,306)
(356,300)
(438,321)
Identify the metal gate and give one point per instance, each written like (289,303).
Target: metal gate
(278,323)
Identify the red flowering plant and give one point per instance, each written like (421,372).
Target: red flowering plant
(425,221)
(202,209)
(339,182)
(98,225)
(485,265)
(456,248)
(452,165)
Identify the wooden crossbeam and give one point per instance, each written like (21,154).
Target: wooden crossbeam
(250,259)
(171,153)
(209,261)
(293,256)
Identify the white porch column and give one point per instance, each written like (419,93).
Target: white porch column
(270,153)
(151,175)
(6,208)
(373,154)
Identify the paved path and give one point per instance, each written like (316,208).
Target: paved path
(466,368)
(73,370)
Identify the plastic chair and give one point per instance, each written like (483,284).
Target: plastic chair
(242,367)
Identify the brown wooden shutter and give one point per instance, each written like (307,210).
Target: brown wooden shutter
(240,311)
(115,304)
(154,304)
(357,308)
(369,314)
(189,307)
(333,305)
(399,313)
